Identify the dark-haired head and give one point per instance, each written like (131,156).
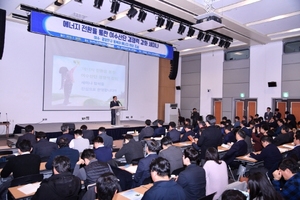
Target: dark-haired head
(233,195)
(152,145)
(212,154)
(172,124)
(161,167)
(83,127)
(211,120)
(166,141)
(290,164)
(40,135)
(191,154)
(88,154)
(63,142)
(101,130)
(148,122)
(24,146)
(78,132)
(61,164)
(29,129)
(106,186)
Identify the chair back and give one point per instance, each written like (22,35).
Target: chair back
(208,197)
(23,180)
(6,152)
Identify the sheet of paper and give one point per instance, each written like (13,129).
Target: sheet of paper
(29,188)
(288,146)
(132,195)
(132,168)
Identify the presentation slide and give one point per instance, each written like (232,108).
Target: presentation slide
(83,77)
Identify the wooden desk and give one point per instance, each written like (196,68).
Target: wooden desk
(183,144)
(130,168)
(223,149)
(136,192)
(17,194)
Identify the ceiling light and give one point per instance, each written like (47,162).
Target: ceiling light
(215,40)
(207,37)
(227,45)
(131,12)
(115,5)
(98,3)
(191,32)
(160,21)
(200,35)
(221,43)
(59,2)
(181,29)
(169,24)
(142,16)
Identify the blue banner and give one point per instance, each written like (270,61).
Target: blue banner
(67,29)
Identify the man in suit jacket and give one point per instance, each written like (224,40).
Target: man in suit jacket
(237,149)
(29,135)
(108,140)
(210,137)
(171,153)
(43,147)
(192,179)
(160,130)
(65,134)
(295,153)
(268,115)
(286,136)
(146,132)
(88,134)
(188,132)
(131,149)
(173,133)
(102,152)
(114,103)
(143,170)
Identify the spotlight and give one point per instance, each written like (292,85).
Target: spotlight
(221,43)
(215,40)
(98,3)
(142,16)
(181,29)
(169,24)
(190,32)
(160,21)
(59,2)
(200,36)
(115,5)
(227,44)
(131,12)
(206,37)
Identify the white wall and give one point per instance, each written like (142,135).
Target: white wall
(265,66)
(211,79)
(22,72)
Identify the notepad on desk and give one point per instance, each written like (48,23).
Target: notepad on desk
(29,188)
(132,195)
(288,146)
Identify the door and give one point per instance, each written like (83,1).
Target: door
(217,110)
(239,109)
(251,108)
(282,106)
(245,107)
(295,110)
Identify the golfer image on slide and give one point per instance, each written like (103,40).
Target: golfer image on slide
(67,80)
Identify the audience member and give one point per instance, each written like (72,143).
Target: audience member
(171,153)
(280,123)
(199,129)
(192,179)
(61,185)
(173,133)
(290,119)
(236,122)
(92,169)
(187,121)
(268,115)
(64,150)
(29,135)
(107,186)
(88,134)
(146,132)
(79,142)
(256,138)
(215,172)
(229,136)
(43,147)
(163,187)
(143,172)
(108,140)
(65,134)
(188,132)
(286,136)
(289,170)
(277,114)
(102,152)
(194,116)
(160,130)
(233,195)
(295,153)
(131,149)
(259,187)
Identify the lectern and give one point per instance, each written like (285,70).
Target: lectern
(118,114)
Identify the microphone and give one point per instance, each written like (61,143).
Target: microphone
(119,103)
(6,117)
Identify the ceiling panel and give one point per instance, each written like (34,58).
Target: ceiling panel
(219,3)
(191,43)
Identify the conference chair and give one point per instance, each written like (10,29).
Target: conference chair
(208,197)
(23,180)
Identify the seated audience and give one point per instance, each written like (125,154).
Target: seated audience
(61,185)
(171,153)
(173,133)
(215,172)
(65,134)
(256,136)
(88,134)
(280,123)
(29,135)
(64,150)
(289,170)
(259,187)
(107,186)
(146,132)
(237,149)
(199,129)
(194,117)
(187,121)
(160,130)
(188,132)
(102,152)
(143,172)
(192,179)
(108,140)
(43,147)
(233,195)
(163,187)
(286,136)
(236,122)
(295,153)
(92,169)
(229,136)
(79,142)
(131,149)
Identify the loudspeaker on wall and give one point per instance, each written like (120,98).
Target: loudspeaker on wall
(174,66)
(272,84)
(2,31)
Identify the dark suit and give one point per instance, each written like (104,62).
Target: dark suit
(131,150)
(146,132)
(210,137)
(174,135)
(268,116)
(143,170)
(159,132)
(113,111)
(88,134)
(22,165)
(174,156)
(194,116)
(283,138)
(185,136)
(229,137)
(295,153)
(72,154)
(44,148)
(193,182)
(237,149)
(66,135)
(26,136)
(108,140)
(103,154)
